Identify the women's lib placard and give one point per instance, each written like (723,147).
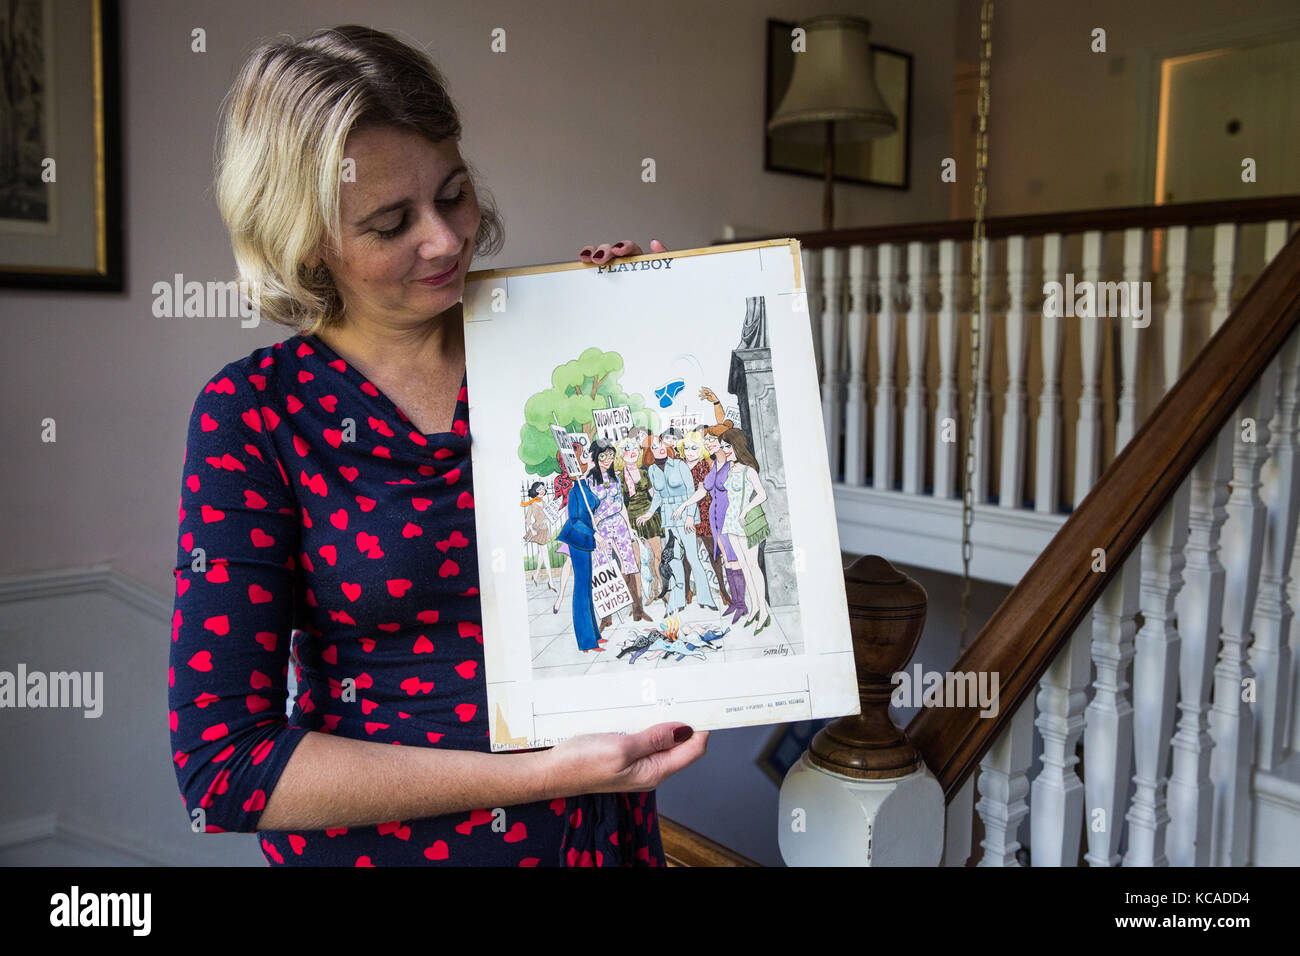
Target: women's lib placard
(656,531)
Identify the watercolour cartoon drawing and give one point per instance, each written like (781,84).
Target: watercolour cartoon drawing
(669,486)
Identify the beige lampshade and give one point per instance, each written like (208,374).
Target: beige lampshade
(833,80)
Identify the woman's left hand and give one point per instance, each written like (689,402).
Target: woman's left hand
(612,250)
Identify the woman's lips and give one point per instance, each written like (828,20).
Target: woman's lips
(441,279)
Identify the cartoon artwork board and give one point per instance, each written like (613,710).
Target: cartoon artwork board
(655,528)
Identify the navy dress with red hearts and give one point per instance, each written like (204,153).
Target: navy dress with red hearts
(313,514)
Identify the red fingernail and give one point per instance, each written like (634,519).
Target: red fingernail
(682,733)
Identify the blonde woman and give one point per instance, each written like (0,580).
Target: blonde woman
(367,546)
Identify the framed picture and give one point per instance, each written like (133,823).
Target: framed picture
(879,162)
(60,152)
(666,408)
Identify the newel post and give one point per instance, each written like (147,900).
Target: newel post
(861,795)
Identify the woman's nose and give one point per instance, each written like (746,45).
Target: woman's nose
(438,237)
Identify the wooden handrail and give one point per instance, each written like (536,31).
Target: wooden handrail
(1033,623)
(684,847)
(1106,220)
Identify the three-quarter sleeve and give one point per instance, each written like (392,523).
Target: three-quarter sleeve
(239,531)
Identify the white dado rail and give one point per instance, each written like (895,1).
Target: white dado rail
(891,326)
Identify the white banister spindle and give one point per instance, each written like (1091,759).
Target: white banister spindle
(1056,825)
(1131,335)
(1175,319)
(1232,721)
(1087,456)
(1047,450)
(1270,654)
(983,394)
(1015,416)
(1003,783)
(883,442)
(1155,681)
(914,411)
(855,408)
(1200,616)
(1225,269)
(946,407)
(1108,718)
(831,319)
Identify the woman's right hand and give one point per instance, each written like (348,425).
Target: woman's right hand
(615,763)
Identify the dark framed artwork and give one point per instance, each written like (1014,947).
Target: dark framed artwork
(880,162)
(60,148)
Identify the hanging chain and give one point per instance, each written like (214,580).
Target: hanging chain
(977,309)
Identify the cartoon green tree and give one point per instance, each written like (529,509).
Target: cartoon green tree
(577,387)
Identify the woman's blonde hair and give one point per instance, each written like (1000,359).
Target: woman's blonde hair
(280,152)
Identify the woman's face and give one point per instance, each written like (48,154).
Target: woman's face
(711,444)
(631,452)
(658,447)
(692,450)
(606,459)
(411,213)
(728,453)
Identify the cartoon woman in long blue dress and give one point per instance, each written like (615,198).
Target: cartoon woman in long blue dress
(578,539)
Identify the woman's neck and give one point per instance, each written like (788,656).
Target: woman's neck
(370,345)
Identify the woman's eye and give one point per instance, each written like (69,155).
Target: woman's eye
(454,200)
(390,233)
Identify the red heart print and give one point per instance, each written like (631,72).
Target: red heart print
(219,625)
(364,861)
(339,519)
(271,851)
(438,851)
(353,591)
(349,473)
(367,706)
(465,668)
(260,538)
(452,476)
(257,680)
(300,446)
(516,833)
(297,843)
(466,500)
(211,514)
(398,586)
(252,419)
(448,569)
(367,644)
(192,483)
(269,417)
(421,504)
(204,699)
(427,617)
(466,712)
(335,831)
(293,403)
(253,500)
(266,639)
(328,552)
(329,403)
(333,436)
(258,594)
(256,704)
(458,540)
(208,423)
(217,574)
(366,504)
(434,738)
(424,646)
(412,530)
(469,629)
(262,751)
(366,541)
(216,732)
